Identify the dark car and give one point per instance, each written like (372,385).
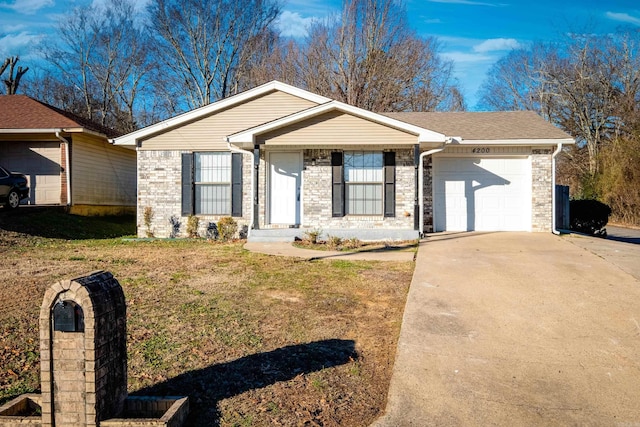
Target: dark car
(13,188)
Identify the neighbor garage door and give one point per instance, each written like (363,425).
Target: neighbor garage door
(485,194)
(40,162)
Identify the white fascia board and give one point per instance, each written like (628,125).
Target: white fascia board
(248,136)
(51,130)
(133,137)
(515,141)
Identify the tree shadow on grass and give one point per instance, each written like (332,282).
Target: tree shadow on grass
(206,387)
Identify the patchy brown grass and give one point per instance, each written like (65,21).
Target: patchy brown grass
(254,340)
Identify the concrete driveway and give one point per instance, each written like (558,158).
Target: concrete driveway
(516,329)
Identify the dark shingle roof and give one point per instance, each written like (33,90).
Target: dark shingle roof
(485,125)
(23,112)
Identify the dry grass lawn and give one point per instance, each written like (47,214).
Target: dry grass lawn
(254,340)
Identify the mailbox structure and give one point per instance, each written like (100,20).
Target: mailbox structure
(83,343)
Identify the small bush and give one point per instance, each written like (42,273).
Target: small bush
(352,243)
(227,228)
(334,242)
(589,216)
(148,220)
(192,226)
(312,235)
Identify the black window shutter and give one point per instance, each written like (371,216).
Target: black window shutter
(187,184)
(337,184)
(389,183)
(236,184)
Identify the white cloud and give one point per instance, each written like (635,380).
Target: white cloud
(28,7)
(433,21)
(15,44)
(467,2)
(499,44)
(464,57)
(292,24)
(623,17)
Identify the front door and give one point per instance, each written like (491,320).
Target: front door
(284,188)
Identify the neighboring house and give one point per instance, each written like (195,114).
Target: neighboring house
(68,160)
(283,161)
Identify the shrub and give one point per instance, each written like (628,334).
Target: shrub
(192,226)
(227,228)
(312,235)
(352,243)
(148,219)
(589,216)
(334,242)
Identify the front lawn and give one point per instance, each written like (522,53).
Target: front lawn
(254,340)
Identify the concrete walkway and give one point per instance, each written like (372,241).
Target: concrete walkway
(287,249)
(521,329)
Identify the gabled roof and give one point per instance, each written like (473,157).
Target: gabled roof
(485,126)
(20,113)
(133,137)
(248,136)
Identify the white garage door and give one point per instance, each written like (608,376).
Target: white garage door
(40,162)
(484,194)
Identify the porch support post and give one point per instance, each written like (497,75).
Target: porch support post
(416,202)
(256,177)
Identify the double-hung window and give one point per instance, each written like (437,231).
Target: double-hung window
(212,183)
(363,183)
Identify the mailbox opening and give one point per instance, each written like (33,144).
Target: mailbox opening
(68,317)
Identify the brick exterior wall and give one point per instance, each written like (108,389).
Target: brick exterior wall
(160,187)
(63,175)
(317,195)
(84,373)
(541,191)
(427,194)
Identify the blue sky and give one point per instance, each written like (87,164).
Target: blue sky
(473,33)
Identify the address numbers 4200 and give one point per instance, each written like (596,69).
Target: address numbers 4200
(481,150)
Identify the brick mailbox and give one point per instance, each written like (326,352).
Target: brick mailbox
(83,341)
(83,364)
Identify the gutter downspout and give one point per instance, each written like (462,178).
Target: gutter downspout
(67,166)
(235,149)
(554,230)
(421,181)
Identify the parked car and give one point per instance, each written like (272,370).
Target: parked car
(13,188)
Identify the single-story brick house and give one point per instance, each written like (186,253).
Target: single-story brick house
(68,160)
(283,161)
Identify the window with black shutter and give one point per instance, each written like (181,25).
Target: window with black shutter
(212,183)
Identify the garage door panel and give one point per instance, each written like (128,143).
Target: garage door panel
(40,162)
(487,194)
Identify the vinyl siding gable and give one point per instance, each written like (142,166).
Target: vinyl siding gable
(209,133)
(337,128)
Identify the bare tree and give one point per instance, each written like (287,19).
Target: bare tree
(588,85)
(13,81)
(366,56)
(102,56)
(202,44)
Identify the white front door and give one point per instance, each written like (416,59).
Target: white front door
(284,187)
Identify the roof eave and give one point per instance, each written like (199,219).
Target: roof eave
(52,130)
(520,142)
